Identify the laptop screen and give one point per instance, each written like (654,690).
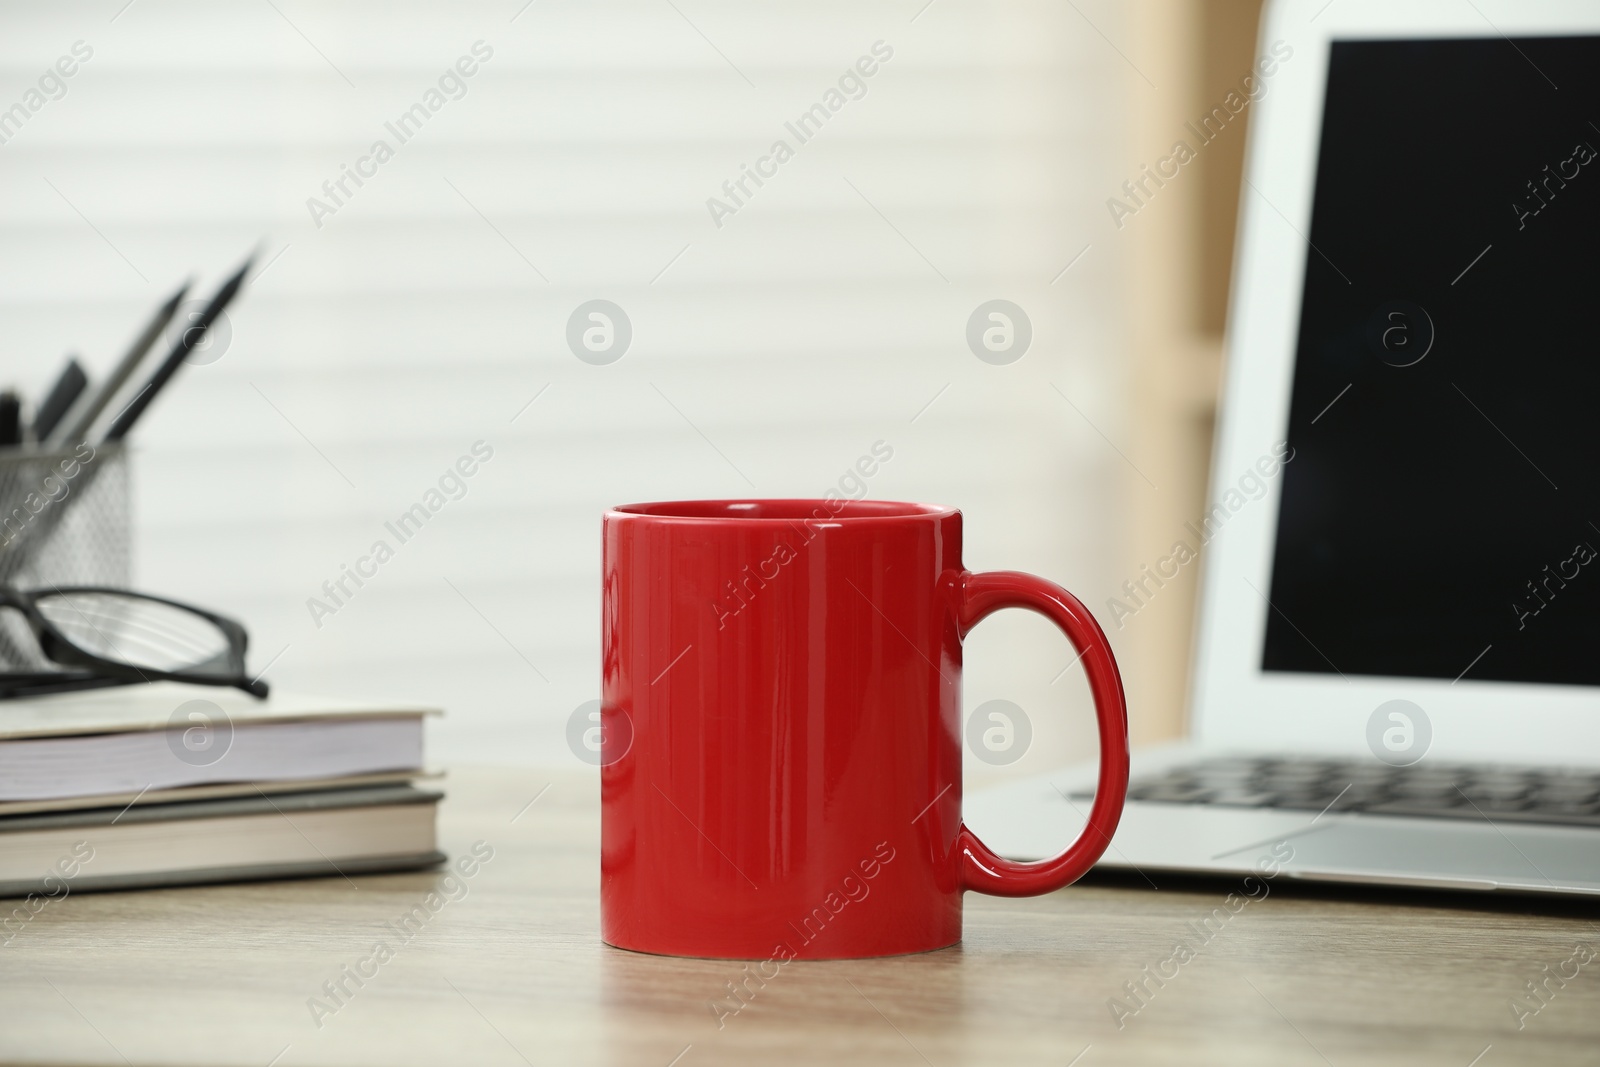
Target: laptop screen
(1440,516)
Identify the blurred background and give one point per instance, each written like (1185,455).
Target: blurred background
(387,330)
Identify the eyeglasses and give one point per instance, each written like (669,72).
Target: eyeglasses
(112,637)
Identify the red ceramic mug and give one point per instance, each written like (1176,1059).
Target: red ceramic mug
(781,729)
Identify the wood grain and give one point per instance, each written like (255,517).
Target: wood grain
(513,972)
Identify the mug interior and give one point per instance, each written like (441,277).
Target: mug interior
(783,510)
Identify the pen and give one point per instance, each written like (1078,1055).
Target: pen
(59,399)
(10,419)
(185,344)
(78,426)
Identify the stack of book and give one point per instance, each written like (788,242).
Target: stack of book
(171,784)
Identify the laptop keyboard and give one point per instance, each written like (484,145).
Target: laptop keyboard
(1454,791)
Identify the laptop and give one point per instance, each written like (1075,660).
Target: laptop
(1397,670)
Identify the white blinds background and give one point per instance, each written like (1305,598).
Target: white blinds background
(426,312)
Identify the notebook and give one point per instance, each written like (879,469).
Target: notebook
(168,736)
(339,832)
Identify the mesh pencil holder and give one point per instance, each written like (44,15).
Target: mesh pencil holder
(64,520)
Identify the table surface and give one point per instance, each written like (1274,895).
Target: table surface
(514,972)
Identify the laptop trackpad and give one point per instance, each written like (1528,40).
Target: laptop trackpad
(1445,854)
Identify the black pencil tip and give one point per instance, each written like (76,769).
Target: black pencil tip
(240,274)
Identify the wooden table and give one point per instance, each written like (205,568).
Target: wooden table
(513,972)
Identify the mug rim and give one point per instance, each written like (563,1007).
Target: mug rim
(780,510)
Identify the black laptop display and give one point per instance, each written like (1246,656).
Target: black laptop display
(1441,516)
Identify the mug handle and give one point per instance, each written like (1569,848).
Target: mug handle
(977,597)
